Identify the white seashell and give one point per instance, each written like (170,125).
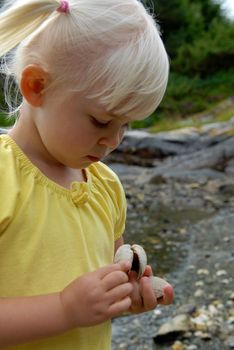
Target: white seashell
(158,285)
(139,260)
(136,255)
(124,253)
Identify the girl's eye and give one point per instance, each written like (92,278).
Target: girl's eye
(99,124)
(126,126)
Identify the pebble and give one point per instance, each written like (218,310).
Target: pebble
(178,346)
(157,312)
(192,347)
(225,281)
(203,272)
(221,273)
(229,303)
(199,283)
(202,335)
(183,231)
(187,335)
(198,293)
(206,336)
(212,310)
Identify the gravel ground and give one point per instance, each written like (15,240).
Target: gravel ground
(187,230)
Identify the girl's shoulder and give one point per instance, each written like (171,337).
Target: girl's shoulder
(106,179)
(103,171)
(104,175)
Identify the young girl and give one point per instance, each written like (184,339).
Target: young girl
(85,69)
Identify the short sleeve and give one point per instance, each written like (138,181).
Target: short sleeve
(122,209)
(112,189)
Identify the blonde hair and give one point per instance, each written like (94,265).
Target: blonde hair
(109,49)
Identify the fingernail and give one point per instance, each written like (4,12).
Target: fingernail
(126,266)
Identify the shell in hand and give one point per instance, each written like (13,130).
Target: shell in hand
(136,255)
(158,285)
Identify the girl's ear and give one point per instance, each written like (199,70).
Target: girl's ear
(34,80)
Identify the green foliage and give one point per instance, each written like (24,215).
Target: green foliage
(211,52)
(183,21)
(199,40)
(188,95)
(221,112)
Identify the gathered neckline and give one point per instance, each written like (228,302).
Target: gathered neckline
(79,192)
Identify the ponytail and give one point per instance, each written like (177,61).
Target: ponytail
(21,20)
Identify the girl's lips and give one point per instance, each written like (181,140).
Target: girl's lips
(93,159)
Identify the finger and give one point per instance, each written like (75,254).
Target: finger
(168,295)
(148,271)
(125,266)
(135,295)
(105,270)
(114,279)
(118,293)
(119,307)
(147,293)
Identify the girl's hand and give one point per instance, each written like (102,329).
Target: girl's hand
(143,297)
(97,296)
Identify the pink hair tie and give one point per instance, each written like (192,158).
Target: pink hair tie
(64,6)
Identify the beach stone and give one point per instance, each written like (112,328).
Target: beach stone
(172,328)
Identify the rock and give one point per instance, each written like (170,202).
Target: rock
(197,148)
(209,162)
(173,328)
(184,175)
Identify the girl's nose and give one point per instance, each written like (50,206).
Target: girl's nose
(112,140)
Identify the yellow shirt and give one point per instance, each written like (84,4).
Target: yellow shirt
(50,235)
